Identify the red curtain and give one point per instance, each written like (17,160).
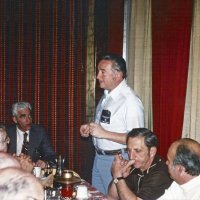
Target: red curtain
(42,56)
(171,27)
(115,27)
(108,30)
(109,26)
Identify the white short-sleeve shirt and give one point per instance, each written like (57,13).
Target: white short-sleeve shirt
(122,111)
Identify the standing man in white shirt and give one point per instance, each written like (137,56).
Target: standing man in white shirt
(183,160)
(118,111)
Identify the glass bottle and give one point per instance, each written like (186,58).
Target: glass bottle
(58,172)
(59,166)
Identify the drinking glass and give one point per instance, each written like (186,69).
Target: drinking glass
(67,191)
(52,194)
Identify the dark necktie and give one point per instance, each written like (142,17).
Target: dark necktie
(25,144)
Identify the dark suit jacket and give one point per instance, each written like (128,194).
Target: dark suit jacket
(39,144)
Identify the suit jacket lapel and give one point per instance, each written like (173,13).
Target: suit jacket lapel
(32,141)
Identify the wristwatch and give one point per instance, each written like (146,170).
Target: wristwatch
(117,179)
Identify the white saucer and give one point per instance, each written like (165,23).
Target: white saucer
(84,198)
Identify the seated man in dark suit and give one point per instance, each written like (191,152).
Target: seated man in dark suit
(28,138)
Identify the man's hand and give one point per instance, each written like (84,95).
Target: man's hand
(41,163)
(25,162)
(93,129)
(85,130)
(121,167)
(97,130)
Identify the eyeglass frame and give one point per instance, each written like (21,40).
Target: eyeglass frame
(31,198)
(6,140)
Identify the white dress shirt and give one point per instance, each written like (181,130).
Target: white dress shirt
(20,139)
(126,112)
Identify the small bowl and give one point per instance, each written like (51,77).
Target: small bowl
(68,177)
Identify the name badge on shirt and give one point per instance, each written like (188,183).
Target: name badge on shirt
(105,116)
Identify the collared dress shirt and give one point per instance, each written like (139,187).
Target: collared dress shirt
(187,191)
(150,184)
(39,146)
(122,111)
(20,139)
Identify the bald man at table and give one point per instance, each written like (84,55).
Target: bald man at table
(16,184)
(183,160)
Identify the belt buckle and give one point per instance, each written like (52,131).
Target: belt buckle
(103,152)
(100,151)
(112,152)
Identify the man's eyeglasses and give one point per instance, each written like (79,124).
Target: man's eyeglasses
(6,140)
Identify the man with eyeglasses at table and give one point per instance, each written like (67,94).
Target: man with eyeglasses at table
(5,159)
(4,139)
(39,147)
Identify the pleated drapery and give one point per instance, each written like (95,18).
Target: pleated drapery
(43,61)
(139,55)
(191,126)
(171,28)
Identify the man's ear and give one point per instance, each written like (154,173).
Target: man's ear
(181,170)
(153,151)
(118,75)
(14,120)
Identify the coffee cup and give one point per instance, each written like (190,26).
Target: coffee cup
(82,192)
(37,171)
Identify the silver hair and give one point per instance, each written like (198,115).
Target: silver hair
(16,184)
(7,160)
(19,106)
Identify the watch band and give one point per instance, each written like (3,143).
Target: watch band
(117,179)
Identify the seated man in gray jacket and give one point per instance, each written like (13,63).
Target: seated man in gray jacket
(28,138)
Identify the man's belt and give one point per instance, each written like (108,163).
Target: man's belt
(109,152)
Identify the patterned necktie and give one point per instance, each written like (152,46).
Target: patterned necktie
(25,144)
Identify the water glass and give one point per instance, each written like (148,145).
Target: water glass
(52,194)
